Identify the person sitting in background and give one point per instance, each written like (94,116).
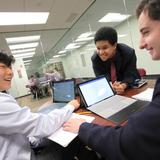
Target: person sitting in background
(33,85)
(53,75)
(116,60)
(57,75)
(139,138)
(17,123)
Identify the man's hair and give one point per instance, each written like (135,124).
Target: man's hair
(106,34)
(151,6)
(6,59)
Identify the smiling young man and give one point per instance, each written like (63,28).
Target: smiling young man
(139,138)
(17,124)
(116,60)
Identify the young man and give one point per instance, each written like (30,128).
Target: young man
(139,139)
(18,124)
(117,61)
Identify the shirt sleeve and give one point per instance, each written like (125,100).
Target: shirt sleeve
(17,120)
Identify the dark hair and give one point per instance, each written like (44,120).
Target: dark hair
(151,6)
(6,59)
(106,33)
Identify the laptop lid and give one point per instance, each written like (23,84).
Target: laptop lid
(63,91)
(95,90)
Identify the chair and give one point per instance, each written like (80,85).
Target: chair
(142,72)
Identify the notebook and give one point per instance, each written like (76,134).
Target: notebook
(62,92)
(99,97)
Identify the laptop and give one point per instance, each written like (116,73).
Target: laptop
(62,92)
(99,97)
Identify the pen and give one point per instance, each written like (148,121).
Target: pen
(88,112)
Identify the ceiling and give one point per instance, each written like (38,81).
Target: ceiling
(67,20)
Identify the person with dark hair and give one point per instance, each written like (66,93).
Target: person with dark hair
(139,138)
(18,124)
(117,61)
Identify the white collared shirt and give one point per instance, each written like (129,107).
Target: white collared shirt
(18,124)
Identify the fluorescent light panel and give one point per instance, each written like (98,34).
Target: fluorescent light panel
(84,39)
(24,45)
(62,51)
(23,50)
(121,35)
(22,18)
(22,39)
(72,46)
(84,35)
(56,56)
(24,54)
(29,56)
(114,17)
(26,61)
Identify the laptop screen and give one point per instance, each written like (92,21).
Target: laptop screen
(95,90)
(63,91)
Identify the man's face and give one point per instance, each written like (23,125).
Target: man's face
(105,50)
(6,75)
(150,35)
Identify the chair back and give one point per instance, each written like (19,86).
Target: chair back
(142,72)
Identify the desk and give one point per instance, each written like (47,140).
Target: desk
(129,93)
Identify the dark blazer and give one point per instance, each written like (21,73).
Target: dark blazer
(139,139)
(125,63)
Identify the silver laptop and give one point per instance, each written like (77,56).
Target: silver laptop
(62,92)
(99,97)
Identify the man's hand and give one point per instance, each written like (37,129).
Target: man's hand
(73,125)
(119,87)
(75,103)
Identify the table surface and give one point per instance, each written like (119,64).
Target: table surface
(128,93)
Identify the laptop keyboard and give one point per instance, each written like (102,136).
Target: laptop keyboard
(112,105)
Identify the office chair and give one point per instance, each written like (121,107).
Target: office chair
(142,72)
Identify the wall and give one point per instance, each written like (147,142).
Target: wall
(19,80)
(78,63)
(73,63)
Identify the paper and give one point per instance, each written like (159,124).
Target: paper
(63,137)
(145,95)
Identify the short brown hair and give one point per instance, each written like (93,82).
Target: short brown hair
(151,6)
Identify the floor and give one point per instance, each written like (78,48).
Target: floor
(33,104)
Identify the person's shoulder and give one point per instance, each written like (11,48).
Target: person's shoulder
(125,48)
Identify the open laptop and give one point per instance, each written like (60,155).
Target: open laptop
(62,92)
(99,97)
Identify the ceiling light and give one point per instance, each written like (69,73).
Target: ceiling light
(62,51)
(22,39)
(121,35)
(114,17)
(22,18)
(84,39)
(56,56)
(29,56)
(23,50)
(26,61)
(84,35)
(24,55)
(72,46)
(24,45)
